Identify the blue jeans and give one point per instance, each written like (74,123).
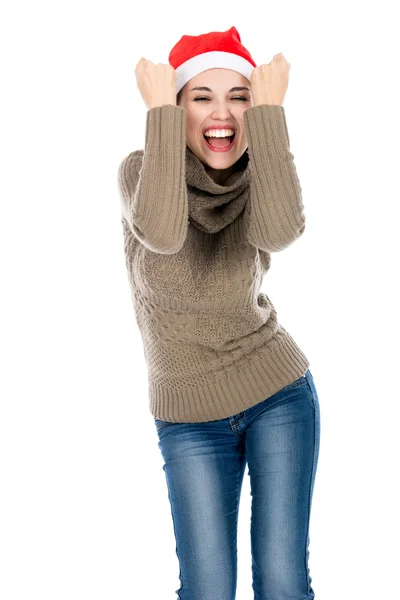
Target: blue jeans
(204,467)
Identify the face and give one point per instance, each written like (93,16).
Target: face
(220,106)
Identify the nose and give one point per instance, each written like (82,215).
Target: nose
(220,110)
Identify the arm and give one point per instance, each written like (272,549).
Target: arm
(152,182)
(274,215)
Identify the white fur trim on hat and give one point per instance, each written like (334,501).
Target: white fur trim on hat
(211,60)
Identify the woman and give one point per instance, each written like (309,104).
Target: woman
(228,385)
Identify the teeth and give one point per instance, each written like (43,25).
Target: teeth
(219,133)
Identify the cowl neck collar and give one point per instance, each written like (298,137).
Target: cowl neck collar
(213,206)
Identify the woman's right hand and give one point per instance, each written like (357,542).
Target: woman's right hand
(156,83)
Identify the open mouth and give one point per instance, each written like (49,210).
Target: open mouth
(220,144)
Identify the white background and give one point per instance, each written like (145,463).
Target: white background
(84,510)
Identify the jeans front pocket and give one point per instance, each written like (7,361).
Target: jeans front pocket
(300,381)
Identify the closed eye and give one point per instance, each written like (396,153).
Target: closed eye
(204,98)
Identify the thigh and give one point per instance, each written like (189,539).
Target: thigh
(204,465)
(282,446)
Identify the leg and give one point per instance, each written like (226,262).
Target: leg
(204,467)
(282,446)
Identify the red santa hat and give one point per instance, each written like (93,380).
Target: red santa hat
(194,54)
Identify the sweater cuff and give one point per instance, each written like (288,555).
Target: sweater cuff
(164,124)
(268,122)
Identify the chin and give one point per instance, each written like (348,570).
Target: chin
(221,164)
(223,160)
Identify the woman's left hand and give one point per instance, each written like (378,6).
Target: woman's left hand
(269,82)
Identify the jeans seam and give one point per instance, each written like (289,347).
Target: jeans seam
(312,479)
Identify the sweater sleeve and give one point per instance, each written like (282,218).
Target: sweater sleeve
(152,182)
(274,215)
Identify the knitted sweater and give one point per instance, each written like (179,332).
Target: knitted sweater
(196,254)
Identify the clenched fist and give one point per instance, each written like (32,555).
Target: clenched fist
(156,83)
(269,82)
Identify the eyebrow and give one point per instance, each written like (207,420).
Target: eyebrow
(207,89)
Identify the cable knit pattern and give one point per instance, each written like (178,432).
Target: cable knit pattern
(196,253)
